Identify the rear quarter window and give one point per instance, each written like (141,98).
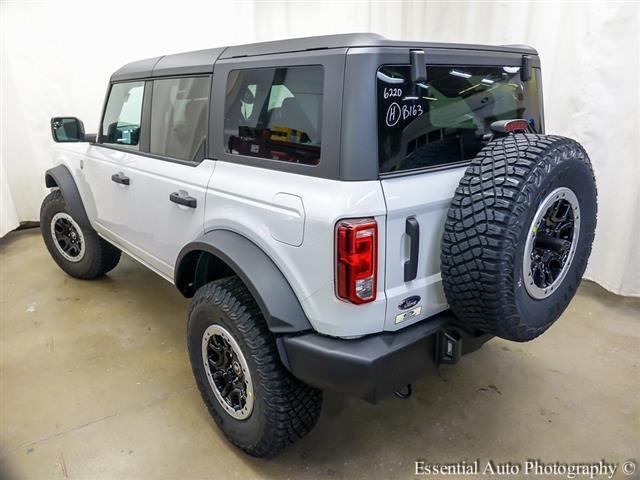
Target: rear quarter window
(275,113)
(443,120)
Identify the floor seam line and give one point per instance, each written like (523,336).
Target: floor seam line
(93,422)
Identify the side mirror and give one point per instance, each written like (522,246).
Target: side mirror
(67,129)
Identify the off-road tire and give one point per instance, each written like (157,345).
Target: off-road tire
(284,409)
(487,226)
(99,257)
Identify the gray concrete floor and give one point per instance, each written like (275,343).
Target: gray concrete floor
(96,383)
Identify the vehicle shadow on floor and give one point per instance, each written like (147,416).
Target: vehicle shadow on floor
(456,409)
(467,408)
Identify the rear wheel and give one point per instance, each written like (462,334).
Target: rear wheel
(518,234)
(255,401)
(79,251)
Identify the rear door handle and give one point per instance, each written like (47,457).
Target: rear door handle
(412,229)
(183,198)
(120,178)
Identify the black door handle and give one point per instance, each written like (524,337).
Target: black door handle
(120,178)
(183,198)
(412,229)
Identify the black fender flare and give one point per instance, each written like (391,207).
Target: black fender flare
(61,178)
(276,299)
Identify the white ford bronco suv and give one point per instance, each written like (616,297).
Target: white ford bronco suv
(346,212)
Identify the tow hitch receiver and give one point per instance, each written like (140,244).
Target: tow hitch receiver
(448,347)
(406,394)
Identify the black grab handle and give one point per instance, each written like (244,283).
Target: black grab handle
(412,229)
(120,178)
(182,199)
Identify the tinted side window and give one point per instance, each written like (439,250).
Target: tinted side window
(444,120)
(179,117)
(275,113)
(121,122)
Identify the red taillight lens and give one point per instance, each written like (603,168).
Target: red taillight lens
(516,126)
(357,259)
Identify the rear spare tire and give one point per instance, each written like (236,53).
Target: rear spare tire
(518,234)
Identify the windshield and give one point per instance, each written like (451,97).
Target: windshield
(443,120)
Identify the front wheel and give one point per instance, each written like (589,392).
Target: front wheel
(77,250)
(255,401)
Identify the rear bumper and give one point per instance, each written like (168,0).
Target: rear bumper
(375,366)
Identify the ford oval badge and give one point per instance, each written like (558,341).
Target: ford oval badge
(409,302)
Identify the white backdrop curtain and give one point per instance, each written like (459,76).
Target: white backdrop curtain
(58,56)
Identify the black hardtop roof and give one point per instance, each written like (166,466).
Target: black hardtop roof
(202,61)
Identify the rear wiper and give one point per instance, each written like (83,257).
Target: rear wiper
(418,71)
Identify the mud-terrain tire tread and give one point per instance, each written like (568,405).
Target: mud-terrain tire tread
(292,406)
(481,233)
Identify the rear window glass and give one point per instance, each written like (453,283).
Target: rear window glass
(275,113)
(443,120)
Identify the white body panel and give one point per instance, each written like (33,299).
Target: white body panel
(426,197)
(290,217)
(164,227)
(113,203)
(74,157)
(139,218)
(260,204)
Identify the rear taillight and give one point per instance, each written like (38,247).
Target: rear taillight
(516,126)
(357,259)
